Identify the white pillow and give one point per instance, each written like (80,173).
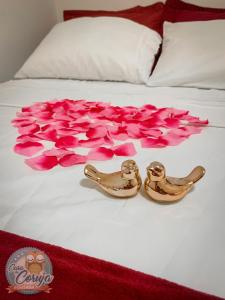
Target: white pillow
(101,48)
(193,54)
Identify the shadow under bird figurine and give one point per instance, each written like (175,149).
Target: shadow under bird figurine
(123,184)
(165,189)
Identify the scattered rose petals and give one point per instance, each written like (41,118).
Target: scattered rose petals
(100,153)
(42,162)
(61,122)
(127,149)
(67,142)
(28,148)
(72,159)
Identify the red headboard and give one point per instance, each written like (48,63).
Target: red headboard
(150,16)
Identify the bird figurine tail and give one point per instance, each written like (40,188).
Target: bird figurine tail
(92,173)
(196,174)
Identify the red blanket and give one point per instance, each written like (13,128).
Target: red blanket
(78,276)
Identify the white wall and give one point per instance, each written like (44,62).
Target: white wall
(119,4)
(23,24)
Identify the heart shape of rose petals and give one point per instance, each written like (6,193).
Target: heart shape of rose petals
(103,127)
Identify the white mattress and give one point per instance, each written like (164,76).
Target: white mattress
(183,242)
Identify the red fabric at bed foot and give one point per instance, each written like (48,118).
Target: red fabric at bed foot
(78,276)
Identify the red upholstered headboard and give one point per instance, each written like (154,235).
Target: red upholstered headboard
(71,14)
(150,16)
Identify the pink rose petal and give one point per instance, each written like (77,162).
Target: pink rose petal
(120,136)
(100,153)
(97,132)
(72,159)
(195,120)
(172,122)
(153,122)
(61,116)
(67,142)
(151,132)
(22,122)
(153,142)
(80,127)
(149,107)
(193,129)
(108,140)
(23,114)
(54,125)
(118,133)
(178,113)
(43,115)
(30,129)
(50,135)
(66,131)
(28,148)
(126,149)
(57,152)
(92,143)
(173,139)
(134,131)
(186,131)
(42,162)
(27,138)
(162,113)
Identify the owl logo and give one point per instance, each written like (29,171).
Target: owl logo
(35,262)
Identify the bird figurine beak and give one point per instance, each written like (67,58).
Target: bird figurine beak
(165,189)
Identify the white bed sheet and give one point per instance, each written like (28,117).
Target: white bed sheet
(183,242)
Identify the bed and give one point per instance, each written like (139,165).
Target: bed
(183,242)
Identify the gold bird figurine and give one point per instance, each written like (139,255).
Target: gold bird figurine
(165,189)
(123,184)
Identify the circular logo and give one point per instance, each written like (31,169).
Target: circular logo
(29,271)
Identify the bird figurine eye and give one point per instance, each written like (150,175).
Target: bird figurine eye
(30,258)
(125,169)
(157,171)
(40,258)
